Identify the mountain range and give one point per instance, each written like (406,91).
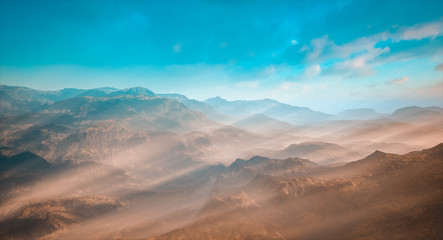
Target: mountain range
(112,163)
(15,100)
(360,200)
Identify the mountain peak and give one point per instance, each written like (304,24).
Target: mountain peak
(257,159)
(377,154)
(134,91)
(360,110)
(412,110)
(175,96)
(216,99)
(360,114)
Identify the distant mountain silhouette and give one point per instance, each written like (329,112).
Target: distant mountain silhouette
(360,114)
(160,113)
(418,115)
(261,122)
(135,91)
(202,107)
(97,92)
(18,100)
(319,152)
(269,107)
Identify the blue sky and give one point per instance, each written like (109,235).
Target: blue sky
(327,55)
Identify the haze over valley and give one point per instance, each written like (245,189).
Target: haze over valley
(132,164)
(221,120)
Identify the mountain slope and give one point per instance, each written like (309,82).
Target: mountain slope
(97,92)
(18,100)
(319,152)
(418,115)
(135,91)
(242,171)
(360,114)
(269,107)
(153,113)
(263,123)
(383,196)
(204,108)
(23,162)
(42,218)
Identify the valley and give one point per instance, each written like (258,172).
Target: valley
(132,164)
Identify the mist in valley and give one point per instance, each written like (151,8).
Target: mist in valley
(252,177)
(146,120)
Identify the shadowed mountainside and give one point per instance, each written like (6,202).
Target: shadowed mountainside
(131,164)
(382,196)
(283,112)
(319,152)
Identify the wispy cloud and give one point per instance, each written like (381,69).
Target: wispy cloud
(420,31)
(323,48)
(398,81)
(358,58)
(312,71)
(315,51)
(357,67)
(439,67)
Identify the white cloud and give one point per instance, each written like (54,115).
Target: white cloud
(294,42)
(312,71)
(315,50)
(357,67)
(421,31)
(398,81)
(177,47)
(357,58)
(323,48)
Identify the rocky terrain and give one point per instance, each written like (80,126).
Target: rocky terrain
(133,164)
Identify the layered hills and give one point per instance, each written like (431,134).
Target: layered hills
(112,163)
(382,196)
